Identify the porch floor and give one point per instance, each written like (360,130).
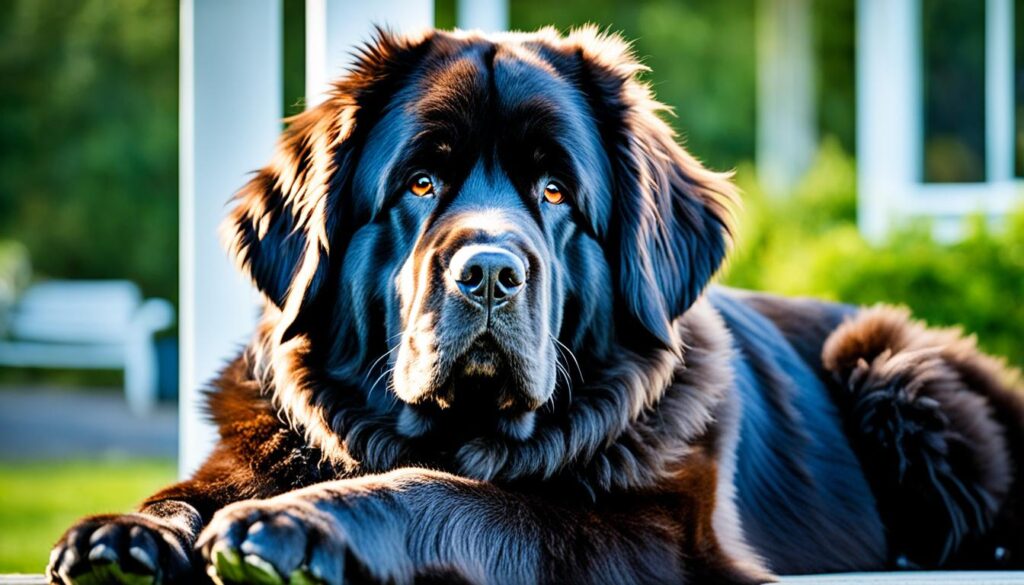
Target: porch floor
(908,578)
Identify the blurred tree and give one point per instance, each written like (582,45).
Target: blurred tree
(294,59)
(835,66)
(88,137)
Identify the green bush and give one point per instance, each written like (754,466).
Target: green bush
(15,272)
(808,244)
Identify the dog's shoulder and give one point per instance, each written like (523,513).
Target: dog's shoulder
(255,436)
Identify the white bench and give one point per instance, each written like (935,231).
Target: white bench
(102,324)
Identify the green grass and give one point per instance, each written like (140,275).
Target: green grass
(39,500)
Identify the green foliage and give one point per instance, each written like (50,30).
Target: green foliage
(88,137)
(39,500)
(15,272)
(808,244)
(701,56)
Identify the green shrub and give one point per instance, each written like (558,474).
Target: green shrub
(15,272)
(808,244)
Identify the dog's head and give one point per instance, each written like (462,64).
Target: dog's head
(471,221)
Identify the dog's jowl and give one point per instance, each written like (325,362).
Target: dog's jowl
(489,354)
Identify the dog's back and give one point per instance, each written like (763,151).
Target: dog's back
(861,428)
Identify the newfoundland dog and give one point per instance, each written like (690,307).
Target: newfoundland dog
(489,354)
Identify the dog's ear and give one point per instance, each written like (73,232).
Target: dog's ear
(673,226)
(670,228)
(277,232)
(282,227)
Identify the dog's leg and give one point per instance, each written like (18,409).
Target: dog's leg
(938,428)
(155,544)
(414,524)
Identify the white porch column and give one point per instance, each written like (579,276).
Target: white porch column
(334,29)
(787,133)
(999,115)
(229,121)
(889,126)
(486,15)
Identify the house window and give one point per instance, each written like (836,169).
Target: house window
(953,90)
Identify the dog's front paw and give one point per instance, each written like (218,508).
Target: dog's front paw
(273,542)
(131,549)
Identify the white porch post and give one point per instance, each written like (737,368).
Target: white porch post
(486,15)
(889,131)
(999,115)
(787,133)
(334,29)
(229,120)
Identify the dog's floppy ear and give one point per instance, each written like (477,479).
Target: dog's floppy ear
(672,215)
(673,226)
(277,232)
(280,230)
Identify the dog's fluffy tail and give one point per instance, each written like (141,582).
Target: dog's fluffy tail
(939,429)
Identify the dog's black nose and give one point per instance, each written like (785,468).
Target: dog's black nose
(488,275)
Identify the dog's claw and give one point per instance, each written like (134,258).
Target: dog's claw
(272,544)
(304,577)
(125,550)
(260,571)
(226,565)
(325,566)
(102,553)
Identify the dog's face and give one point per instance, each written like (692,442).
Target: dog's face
(484,190)
(470,219)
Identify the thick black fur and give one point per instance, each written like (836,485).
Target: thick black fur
(607,418)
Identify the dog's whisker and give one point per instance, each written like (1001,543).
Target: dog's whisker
(562,346)
(377,361)
(369,393)
(562,369)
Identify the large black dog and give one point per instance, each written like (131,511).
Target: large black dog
(488,354)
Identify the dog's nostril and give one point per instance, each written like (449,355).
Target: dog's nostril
(508,278)
(474,276)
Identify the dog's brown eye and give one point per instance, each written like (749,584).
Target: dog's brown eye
(553,194)
(421,185)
